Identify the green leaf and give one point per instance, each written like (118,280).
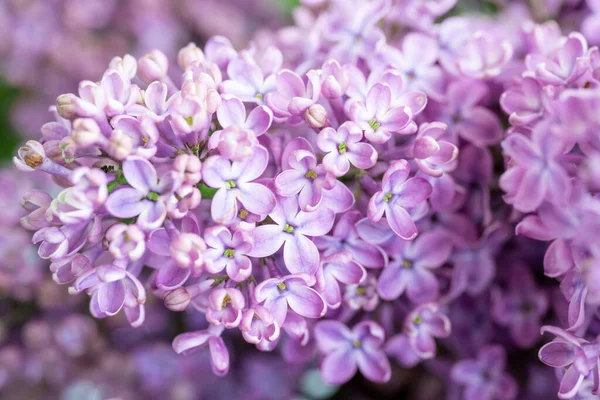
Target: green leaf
(9,138)
(119,181)
(207,192)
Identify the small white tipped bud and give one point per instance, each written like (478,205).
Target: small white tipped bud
(178,299)
(188,55)
(85,132)
(153,66)
(65,106)
(316,116)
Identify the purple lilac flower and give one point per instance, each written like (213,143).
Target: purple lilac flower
(578,356)
(291,230)
(409,269)
(484,377)
(347,350)
(235,182)
(399,192)
(147,196)
(294,292)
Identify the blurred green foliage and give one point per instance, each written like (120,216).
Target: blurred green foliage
(286,6)
(9,139)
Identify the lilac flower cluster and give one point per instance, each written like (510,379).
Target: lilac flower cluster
(551,180)
(333,192)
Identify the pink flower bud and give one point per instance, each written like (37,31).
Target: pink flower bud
(178,299)
(86,132)
(153,66)
(188,167)
(316,116)
(65,106)
(188,55)
(126,241)
(120,145)
(187,249)
(68,148)
(235,143)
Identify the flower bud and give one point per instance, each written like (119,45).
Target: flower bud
(187,249)
(68,149)
(126,241)
(65,106)
(30,157)
(85,132)
(178,299)
(316,116)
(153,66)
(189,54)
(234,143)
(120,145)
(188,167)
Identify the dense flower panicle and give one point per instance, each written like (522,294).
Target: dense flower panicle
(336,189)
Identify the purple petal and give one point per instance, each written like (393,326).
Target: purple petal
(290,182)
(532,190)
(256,198)
(374,365)
(332,335)
(424,345)
(432,249)
(254,167)
(189,342)
(125,203)
(301,255)
(520,149)
(362,155)
(289,84)
(466,371)
(339,199)
(316,223)
(159,242)
(414,191)
(399,348)
(223,208)
(570,383)
(153,215)
(170,276)
(140,174)
(213,169)
(306,302)
(267,240)
(423,287)
(338,367)
(401,222)
(219,356)
(558,259)
(425,147)
(111,297)
(350,273)
(378,99)
(392,282)
(260,120)
(231,112)
(396,119)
